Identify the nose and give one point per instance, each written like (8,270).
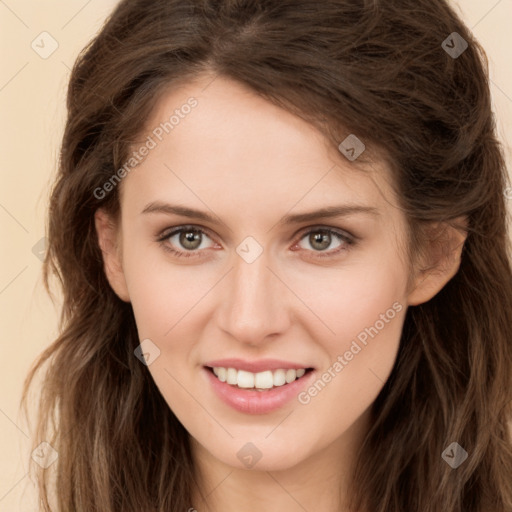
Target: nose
(254,305)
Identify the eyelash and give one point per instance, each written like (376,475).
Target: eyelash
(349,240)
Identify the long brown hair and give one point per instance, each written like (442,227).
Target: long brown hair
(379,69)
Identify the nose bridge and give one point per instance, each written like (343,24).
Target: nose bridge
(255,303)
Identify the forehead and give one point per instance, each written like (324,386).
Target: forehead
(218,142)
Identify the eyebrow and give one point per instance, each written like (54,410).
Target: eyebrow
(296,218)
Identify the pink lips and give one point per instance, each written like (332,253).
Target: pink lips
(250,401)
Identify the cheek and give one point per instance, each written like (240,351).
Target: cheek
(368,322)
(364,308)
(351,299)
(360,361)
(163,295)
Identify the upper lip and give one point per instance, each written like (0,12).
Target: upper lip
(256,366)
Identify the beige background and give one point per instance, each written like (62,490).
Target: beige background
(32,96)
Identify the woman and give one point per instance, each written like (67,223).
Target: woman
(280,229)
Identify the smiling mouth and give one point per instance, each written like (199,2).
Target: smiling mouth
(261,381)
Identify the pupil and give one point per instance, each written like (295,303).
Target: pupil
(322,238)
(188,238)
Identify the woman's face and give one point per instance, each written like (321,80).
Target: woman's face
(252,285)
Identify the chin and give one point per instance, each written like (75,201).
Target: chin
(253,456)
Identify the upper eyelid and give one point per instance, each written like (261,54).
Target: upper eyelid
(166,233)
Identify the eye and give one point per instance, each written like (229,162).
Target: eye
(187,241)
(321,238)
(189,238)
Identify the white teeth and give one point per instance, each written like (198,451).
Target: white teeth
(290,376)
(231,376)
(245,379)
(221,374)
(262,380)
(279,377)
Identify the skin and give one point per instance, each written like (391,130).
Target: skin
(250,163)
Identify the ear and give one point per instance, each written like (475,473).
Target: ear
(108,233)
(439,260)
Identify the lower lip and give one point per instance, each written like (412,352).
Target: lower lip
(258,402)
